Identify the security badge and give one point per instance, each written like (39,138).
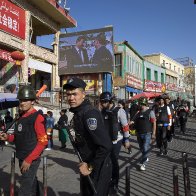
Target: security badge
(92,123)
(19,127)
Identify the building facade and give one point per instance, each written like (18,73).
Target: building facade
(128,71)
(21,23)
(174,75)
(154,77)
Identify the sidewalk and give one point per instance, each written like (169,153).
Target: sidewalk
(63,176)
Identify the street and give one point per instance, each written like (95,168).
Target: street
(63,175)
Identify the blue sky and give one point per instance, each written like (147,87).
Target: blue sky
(150,26)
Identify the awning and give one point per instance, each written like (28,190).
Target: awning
(133,90)
(41,66)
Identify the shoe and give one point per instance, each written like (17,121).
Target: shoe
(142,167)
(62,147)
(165,152)
(170,139)
(48,149)
(161,152)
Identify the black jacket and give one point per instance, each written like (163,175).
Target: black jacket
(92,139)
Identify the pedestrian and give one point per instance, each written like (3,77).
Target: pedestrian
(116,124)
(8,119)
(183,111)
(164,122)
(49,129)
(61,125)
(170,132)
(2,123)
(145,125)
(30,140)
(91,139)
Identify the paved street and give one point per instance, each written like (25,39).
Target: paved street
(63,177)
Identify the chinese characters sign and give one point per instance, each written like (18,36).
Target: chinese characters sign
(153,86)
(6,56)
(12,19)
(134,82)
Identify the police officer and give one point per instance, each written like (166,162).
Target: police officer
(117,125)
(91,139)
(183,111)
(145,125)
(164,122)
(168,102)
(30,140)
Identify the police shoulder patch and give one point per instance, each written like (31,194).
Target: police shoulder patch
(92,123)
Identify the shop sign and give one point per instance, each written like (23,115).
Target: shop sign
(12,19)
(171,87)
(153,86)
(5,55)
(134,82)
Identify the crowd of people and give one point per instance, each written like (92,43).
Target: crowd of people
(99,134)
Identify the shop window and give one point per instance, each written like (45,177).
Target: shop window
(148,74)
(118,65)
(156,76)
(162,77)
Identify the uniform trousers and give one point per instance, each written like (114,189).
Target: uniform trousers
(161,137)
(29,185)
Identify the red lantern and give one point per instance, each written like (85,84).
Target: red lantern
(18,57)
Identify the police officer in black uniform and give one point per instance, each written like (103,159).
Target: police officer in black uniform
(168,102)
(91,139)
(183,111)
(164,122)
(116,124)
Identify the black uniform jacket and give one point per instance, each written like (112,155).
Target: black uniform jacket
(92,138)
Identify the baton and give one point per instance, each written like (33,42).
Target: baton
(80,158)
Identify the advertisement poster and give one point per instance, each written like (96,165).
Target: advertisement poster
(86,51)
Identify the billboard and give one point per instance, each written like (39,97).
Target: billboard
(12,19)
(86,51)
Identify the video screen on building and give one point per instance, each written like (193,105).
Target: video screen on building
(86,51)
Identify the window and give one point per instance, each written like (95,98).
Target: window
(156,76)
(162,77)
(148,74)
(118,65)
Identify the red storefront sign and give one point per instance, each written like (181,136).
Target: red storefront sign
(12,19)
(134,82)
(153,86)
(6,56)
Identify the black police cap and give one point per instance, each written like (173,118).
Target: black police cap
(74,83)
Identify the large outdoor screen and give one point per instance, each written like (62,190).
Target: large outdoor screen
(86,51)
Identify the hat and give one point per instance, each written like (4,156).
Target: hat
(74,83)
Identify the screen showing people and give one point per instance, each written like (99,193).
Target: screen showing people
(86,51)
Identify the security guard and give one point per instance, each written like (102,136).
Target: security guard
(117,125)
(30,140)
(91,139)
(183,111)
(168,102)
(164,122)
(145,125)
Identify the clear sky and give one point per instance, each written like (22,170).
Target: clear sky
(150,26)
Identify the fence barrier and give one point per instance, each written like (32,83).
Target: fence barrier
(127,181)
(175,180)
(187,187)
(45,176)
(12,179)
